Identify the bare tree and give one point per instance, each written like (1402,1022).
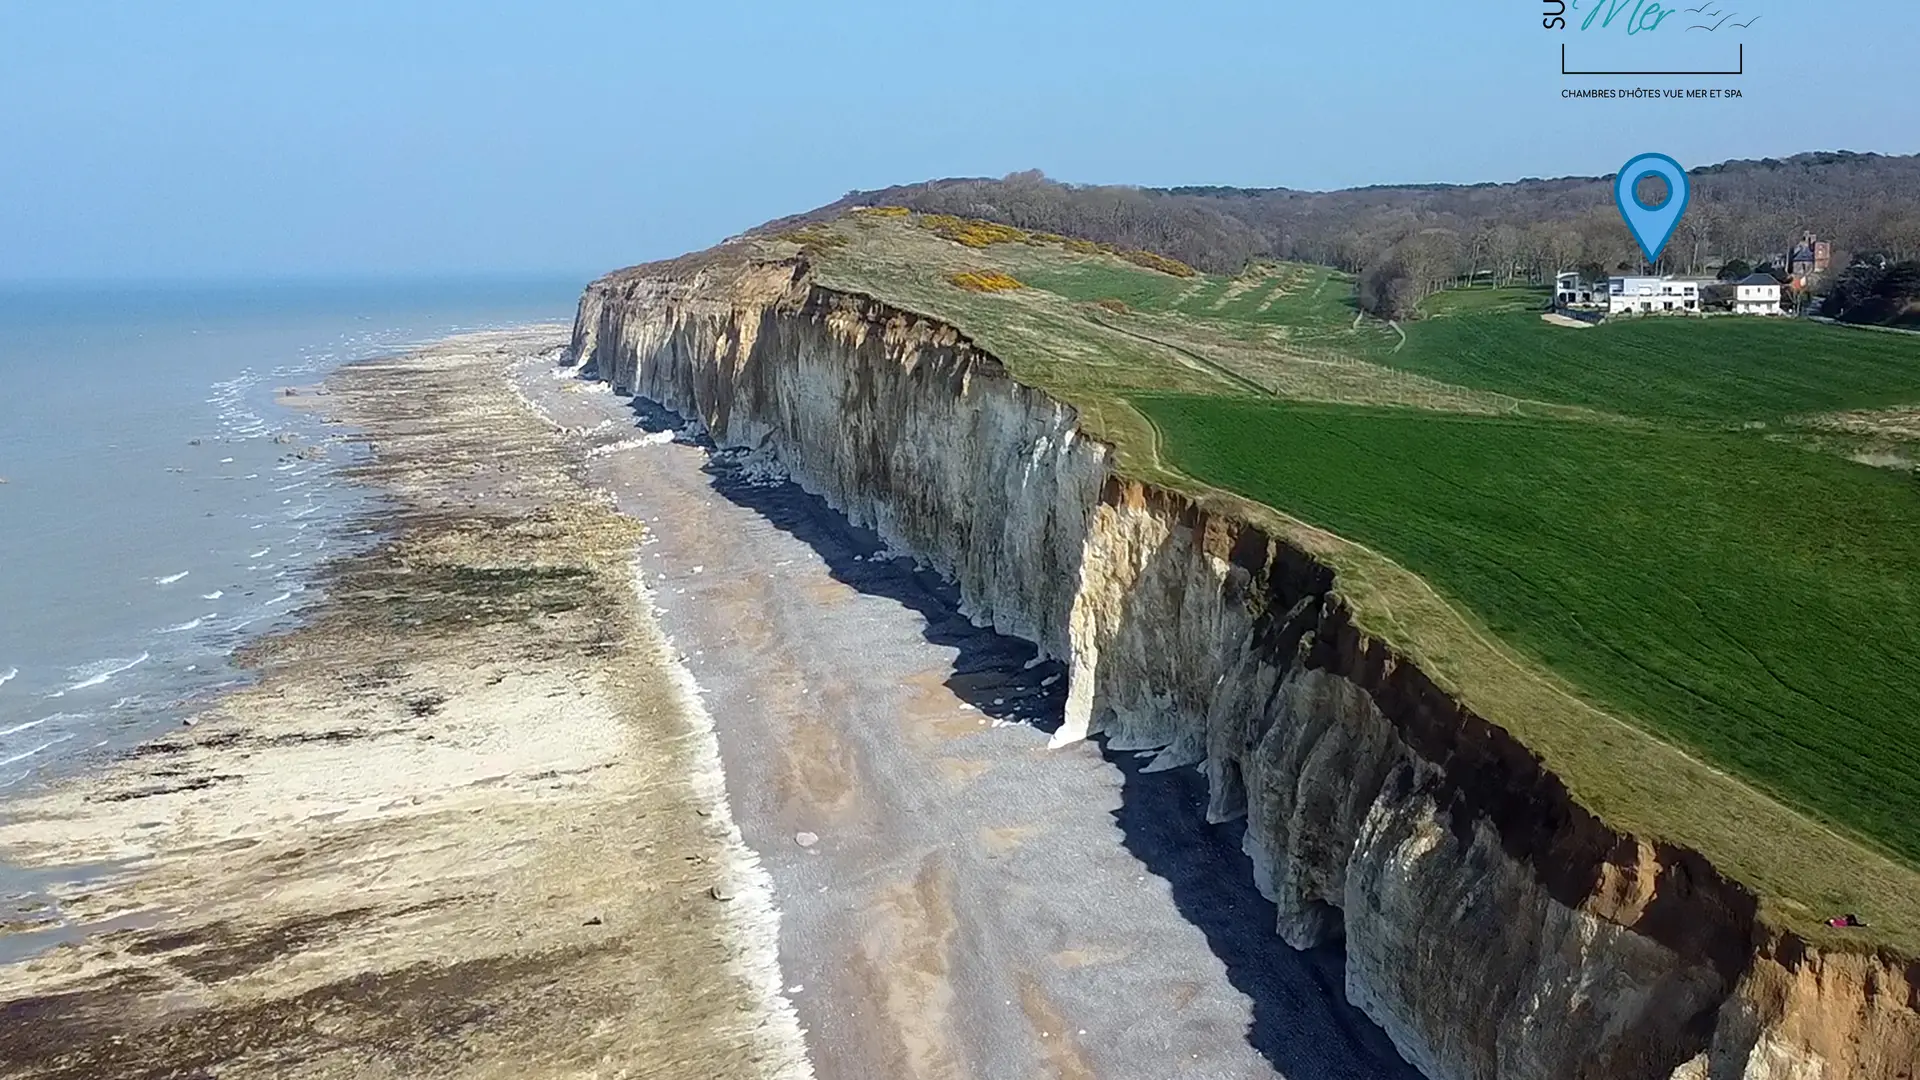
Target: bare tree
(1867,203)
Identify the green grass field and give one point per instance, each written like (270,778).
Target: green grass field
(1756,602)
(1477,301)
(1639,547)
(1277,296)
(1717,370)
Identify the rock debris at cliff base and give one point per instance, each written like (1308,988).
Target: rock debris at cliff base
(468,823)
(957,900)
(1496,927)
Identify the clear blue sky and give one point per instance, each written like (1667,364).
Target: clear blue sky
(204,139)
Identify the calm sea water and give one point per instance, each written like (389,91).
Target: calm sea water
(154,516)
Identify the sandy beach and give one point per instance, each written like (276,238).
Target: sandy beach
(472,819)
(469,822)
(957,899)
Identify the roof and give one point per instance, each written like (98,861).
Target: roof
(1758,279)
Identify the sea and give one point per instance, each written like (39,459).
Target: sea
(156,512)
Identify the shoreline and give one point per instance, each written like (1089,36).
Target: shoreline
(957,898)
(1479,893)
(94,736)
(465,821)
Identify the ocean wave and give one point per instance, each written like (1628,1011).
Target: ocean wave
(171,578)
(282,598)
(231,631)
(9,676)
(29,753)
(259,553)
(94,674)
(190,624)
(59,720)
(214,595)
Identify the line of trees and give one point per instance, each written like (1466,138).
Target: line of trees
(1876,292)
(1405,242)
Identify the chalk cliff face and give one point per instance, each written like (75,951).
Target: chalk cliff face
(1494,928)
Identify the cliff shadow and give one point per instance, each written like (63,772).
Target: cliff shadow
(1302,1022)
(998,675)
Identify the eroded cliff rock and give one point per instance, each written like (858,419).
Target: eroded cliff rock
(1494,928)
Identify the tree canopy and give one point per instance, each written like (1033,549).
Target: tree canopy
(1409,240)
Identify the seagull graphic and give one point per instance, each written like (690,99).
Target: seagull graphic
(1722,22)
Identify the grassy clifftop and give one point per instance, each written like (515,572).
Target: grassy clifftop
(1641,547)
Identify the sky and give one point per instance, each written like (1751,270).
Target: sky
(206,139)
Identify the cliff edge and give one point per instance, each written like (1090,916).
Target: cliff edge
(1494,926)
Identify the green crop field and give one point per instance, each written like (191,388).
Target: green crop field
(1718,370)
(1757,602)
(1641,547)
(1519,298)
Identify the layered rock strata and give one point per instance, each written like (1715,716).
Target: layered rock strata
(1493,926)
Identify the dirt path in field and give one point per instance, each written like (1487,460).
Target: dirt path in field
(1189,357)
(469,823)
(1286,286)
(1239,287)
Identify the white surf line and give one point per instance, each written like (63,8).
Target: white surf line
(11,673)
(43,746)
(656,438)
(171,578)
(103,675)
(28,726)
(752,913)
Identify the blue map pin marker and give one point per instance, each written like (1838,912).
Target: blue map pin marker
(1652,225)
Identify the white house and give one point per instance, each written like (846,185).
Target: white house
(1757,294)
(1651,294)
(1569,290)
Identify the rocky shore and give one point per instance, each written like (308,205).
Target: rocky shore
(468,822)
(1494,926)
